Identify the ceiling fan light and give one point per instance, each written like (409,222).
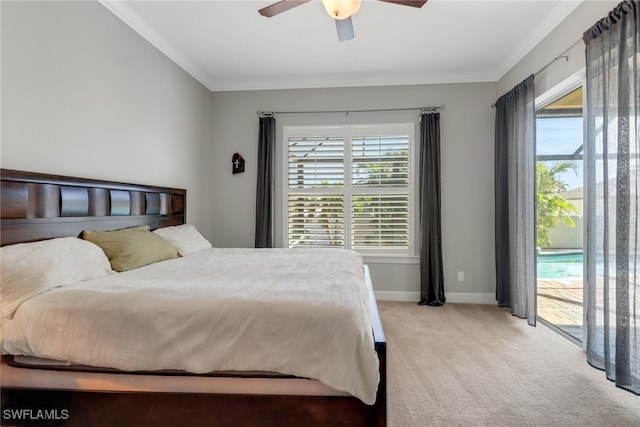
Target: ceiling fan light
(341,9)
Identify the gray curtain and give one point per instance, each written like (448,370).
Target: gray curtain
(265,183)
(431,276)
(515,239)
(612,168)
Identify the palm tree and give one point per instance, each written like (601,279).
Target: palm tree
(551,207)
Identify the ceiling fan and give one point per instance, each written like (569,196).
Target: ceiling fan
(340,10)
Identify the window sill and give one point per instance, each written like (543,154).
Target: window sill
(391,259)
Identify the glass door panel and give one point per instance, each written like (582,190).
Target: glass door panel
(559,214)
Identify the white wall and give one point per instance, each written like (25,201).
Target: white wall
(84,95)
(467,171)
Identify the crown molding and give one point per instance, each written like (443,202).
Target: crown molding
(131,19)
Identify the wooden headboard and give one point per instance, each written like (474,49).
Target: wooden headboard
(37,206)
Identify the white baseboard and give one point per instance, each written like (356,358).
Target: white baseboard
(452,297)
(471,298)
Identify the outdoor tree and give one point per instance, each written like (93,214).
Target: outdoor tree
(551,207)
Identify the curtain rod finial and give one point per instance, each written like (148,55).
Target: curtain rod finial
(426,110)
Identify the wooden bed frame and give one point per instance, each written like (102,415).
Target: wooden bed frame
(38,206)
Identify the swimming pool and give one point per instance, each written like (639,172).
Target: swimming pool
(559,265)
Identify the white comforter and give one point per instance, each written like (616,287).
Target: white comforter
(298,312)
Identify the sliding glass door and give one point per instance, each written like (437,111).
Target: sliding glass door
(559,213)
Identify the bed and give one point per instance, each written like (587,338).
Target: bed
(143,386)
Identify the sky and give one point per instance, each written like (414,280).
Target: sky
(561,135)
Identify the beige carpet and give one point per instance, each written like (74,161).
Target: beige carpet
(475,365)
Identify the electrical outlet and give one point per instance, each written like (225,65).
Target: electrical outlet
(460,276)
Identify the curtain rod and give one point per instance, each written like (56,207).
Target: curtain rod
(563,55)
(431,109)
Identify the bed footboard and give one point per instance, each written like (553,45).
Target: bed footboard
(76,408)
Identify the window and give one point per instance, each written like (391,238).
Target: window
(350,187)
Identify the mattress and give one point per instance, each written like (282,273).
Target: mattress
(39,374)
(296,312)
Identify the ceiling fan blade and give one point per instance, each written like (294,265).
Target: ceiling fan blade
(412,3)
(345,29)
(281,6)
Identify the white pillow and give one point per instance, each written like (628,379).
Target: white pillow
(185,237)
(29,269)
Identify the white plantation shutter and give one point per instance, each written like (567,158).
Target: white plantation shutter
(380,221)
(316,220)
(380,201)
(349,190)
(315,174)
(380,161)
(316,162)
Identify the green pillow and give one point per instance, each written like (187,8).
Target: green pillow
(131,248)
